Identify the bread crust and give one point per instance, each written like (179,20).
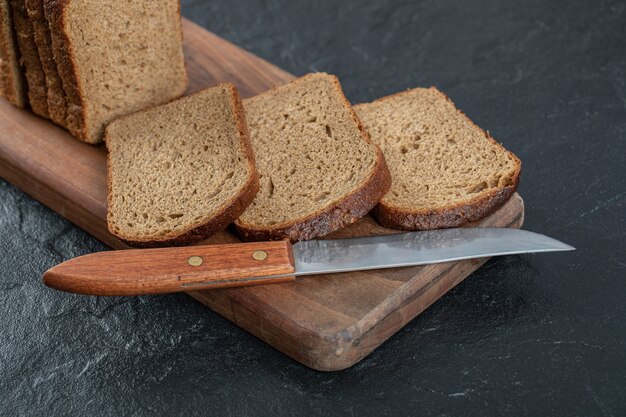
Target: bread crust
(450,215)
(444,217)
(62,52)
(12,80)
(35,77)
(230,211)
(348,210)
(41,33)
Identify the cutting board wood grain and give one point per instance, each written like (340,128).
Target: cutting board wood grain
(325,322)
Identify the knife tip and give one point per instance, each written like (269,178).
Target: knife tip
(564,247)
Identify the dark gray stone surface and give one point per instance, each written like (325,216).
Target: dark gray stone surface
(526,335)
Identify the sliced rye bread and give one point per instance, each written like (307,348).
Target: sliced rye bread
(445,170)
(318,168)
(180,172)
(115,57)
(29,58)
(55,94)
(12,82)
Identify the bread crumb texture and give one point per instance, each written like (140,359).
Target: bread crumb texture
(439,160)
(176,167)
(126,56)
(310,151)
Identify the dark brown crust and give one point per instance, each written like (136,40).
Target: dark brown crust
(55,93)
(13,82)
(230,210)
(351,208)
(450,215)
(55,11)
(35,77)
(445,217)
(4,64)
(347,211)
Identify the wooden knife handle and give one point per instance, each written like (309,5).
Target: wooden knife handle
(155,271)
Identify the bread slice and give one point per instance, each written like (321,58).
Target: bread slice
(54,88)
(115,57)
(181,171)
(445,170)
(318,169)
(29,57)
(12,83)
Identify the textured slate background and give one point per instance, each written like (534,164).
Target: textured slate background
(527,335)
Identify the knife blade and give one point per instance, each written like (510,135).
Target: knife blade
(166,270)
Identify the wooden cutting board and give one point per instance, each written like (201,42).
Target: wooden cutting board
(327,322)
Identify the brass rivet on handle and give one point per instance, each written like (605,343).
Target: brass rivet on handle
(259,255)
(194,260)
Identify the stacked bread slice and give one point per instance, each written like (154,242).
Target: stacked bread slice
(55,95)
(12,84)
(84,63)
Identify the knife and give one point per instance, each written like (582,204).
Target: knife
(167,270)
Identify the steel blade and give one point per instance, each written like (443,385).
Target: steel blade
(417,248)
